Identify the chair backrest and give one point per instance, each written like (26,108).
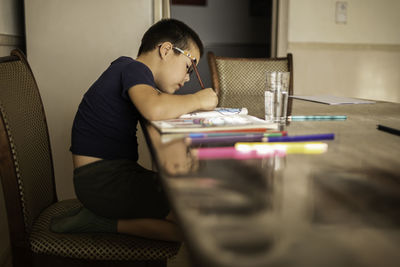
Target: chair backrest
(241,81)
(26,166)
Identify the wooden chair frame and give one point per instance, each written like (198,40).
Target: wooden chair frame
(20,236)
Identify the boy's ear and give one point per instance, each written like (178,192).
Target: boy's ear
(164,49)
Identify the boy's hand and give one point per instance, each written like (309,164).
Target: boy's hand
(162,106)
(207,99)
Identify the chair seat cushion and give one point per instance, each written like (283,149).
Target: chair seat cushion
(94,246)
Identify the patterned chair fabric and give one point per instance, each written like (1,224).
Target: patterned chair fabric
(27,175)
(93,246)
(241,82)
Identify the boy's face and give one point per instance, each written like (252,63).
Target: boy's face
(175,67)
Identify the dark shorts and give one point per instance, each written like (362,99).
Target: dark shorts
(120,189)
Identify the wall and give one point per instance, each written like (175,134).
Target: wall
(11,36)
(358,59)
(11,27)
(69,44)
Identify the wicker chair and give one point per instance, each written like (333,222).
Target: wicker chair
(26,171)
(241,82)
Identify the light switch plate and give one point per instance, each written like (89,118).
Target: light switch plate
(341,12)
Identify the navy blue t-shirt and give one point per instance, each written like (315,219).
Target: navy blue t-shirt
(106,120)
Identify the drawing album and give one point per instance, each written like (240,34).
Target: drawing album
(221,119)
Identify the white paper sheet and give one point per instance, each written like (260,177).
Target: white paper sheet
(217,112)
(332,100)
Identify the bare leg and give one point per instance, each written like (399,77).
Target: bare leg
(151,228)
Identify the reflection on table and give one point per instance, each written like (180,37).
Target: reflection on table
(340,208)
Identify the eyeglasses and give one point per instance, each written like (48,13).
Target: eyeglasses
(193,66)
(192,58)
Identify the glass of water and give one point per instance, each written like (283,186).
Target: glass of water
(276,96)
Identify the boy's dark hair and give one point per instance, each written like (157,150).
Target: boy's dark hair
(169,30)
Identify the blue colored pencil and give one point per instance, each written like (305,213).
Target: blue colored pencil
(317,117)
(300,138)
(258,138)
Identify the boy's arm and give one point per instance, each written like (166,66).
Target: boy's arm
(154,105)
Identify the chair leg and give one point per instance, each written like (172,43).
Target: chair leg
(21,257)
(162,263)
(41,260)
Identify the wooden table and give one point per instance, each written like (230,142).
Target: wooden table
(340,208)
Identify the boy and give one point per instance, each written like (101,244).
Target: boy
(117,194)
